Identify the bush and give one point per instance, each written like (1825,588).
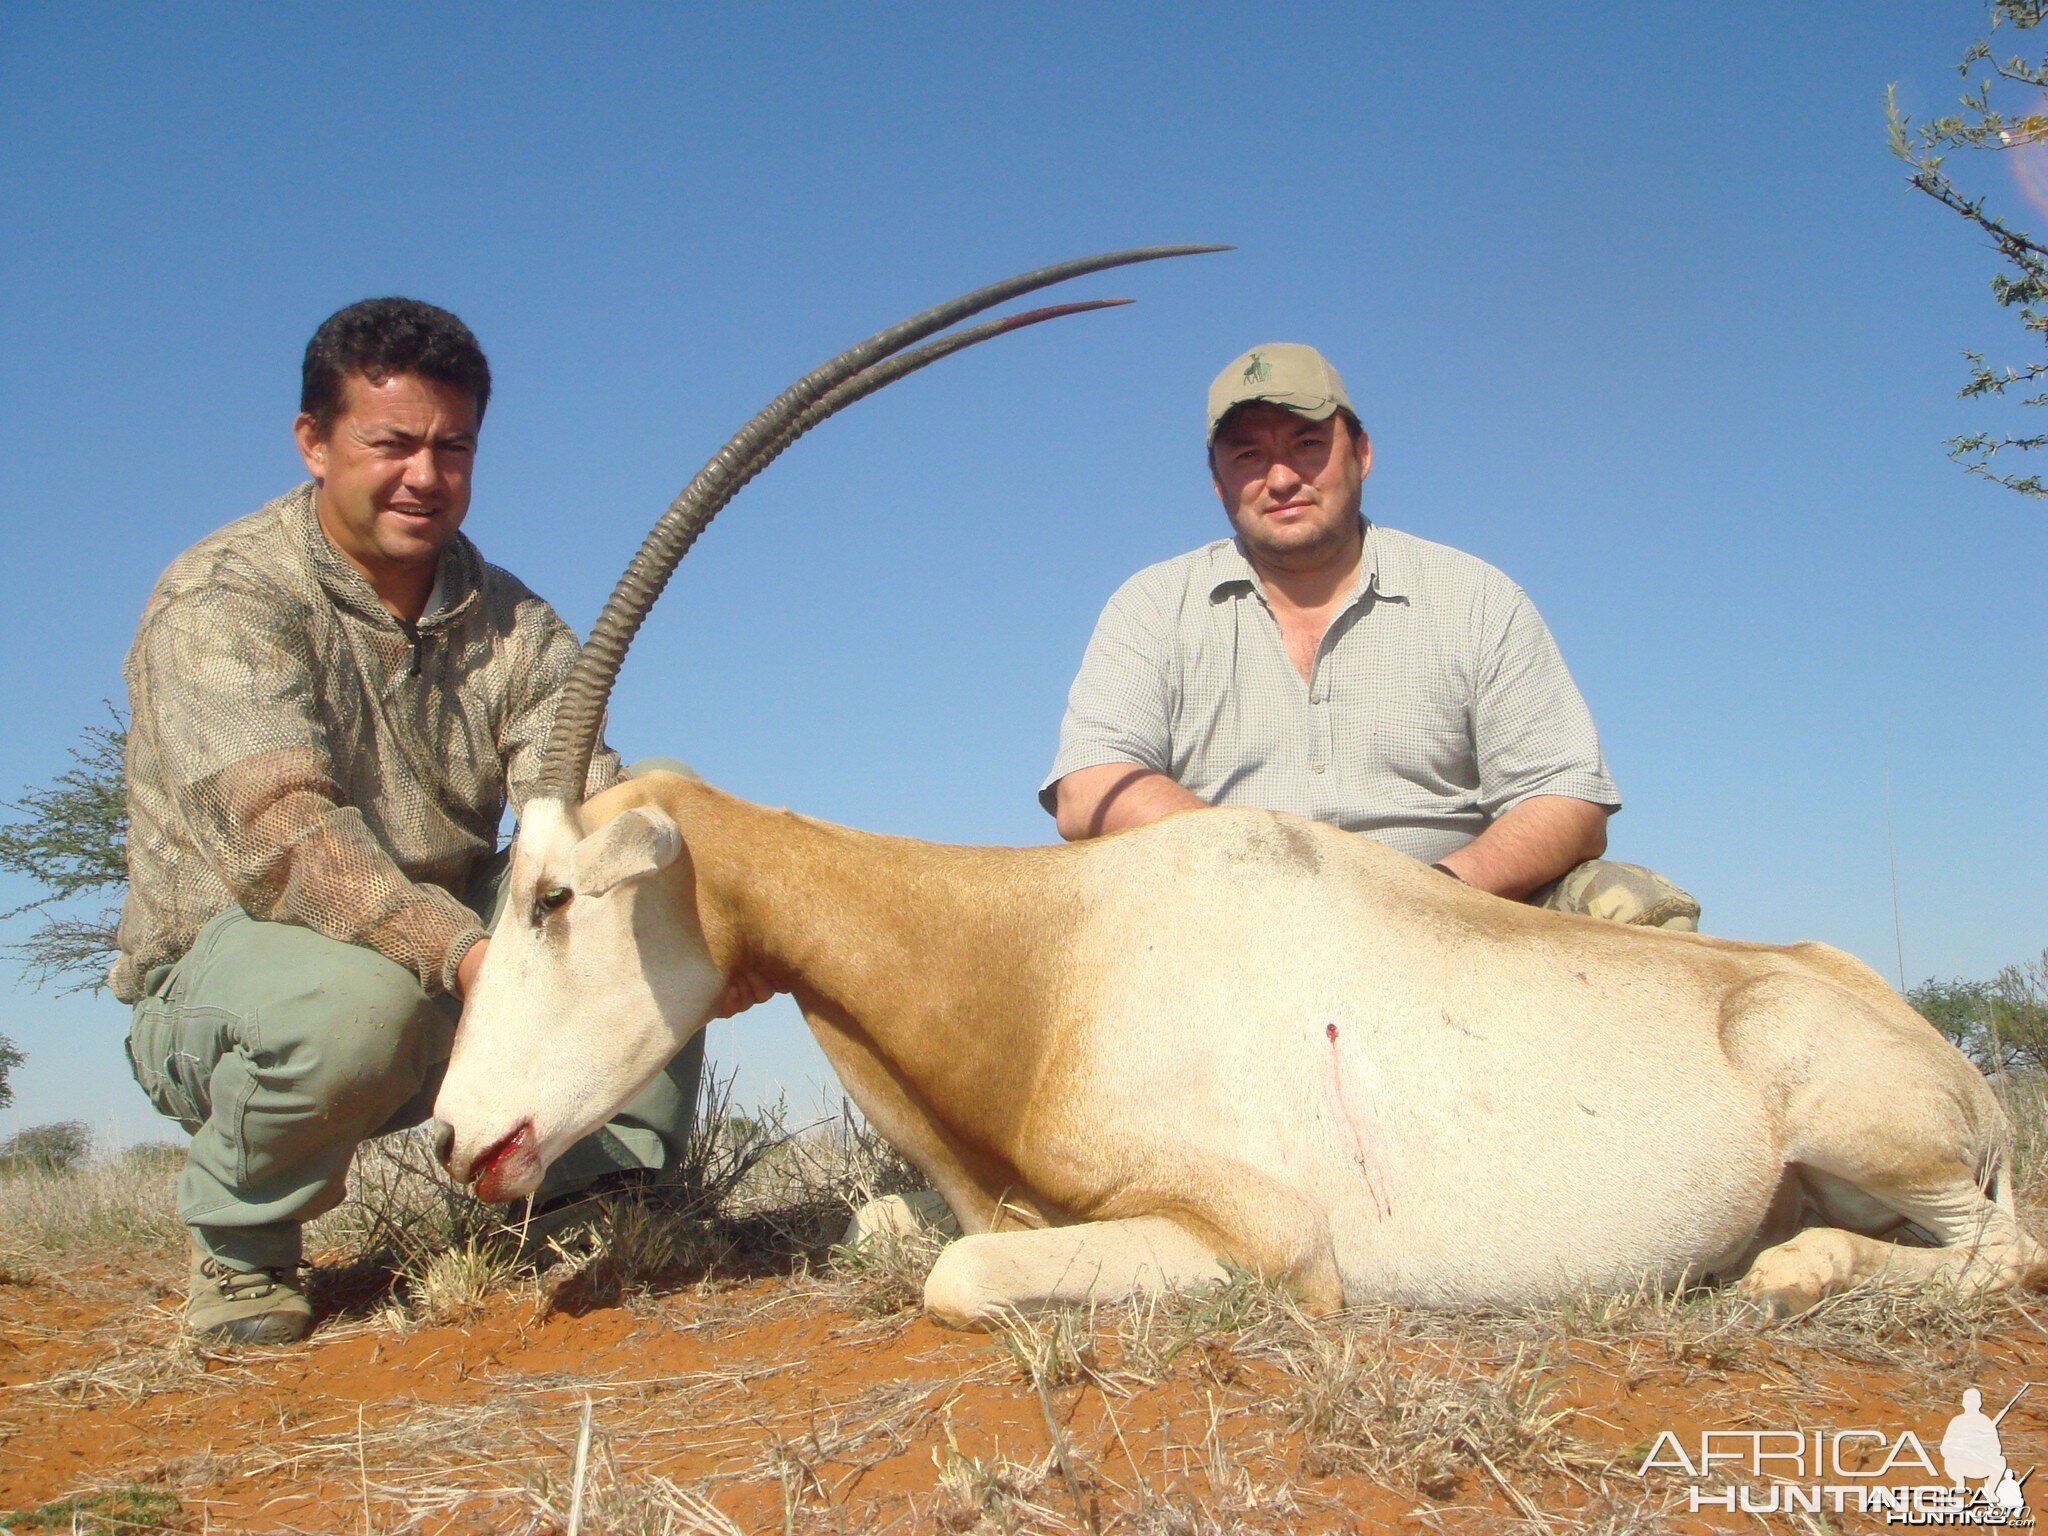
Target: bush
(72,841)
(2001,1024)
(52,1148)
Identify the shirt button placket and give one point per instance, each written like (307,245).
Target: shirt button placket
(1321,790)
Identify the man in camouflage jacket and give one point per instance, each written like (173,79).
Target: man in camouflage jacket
(332,702)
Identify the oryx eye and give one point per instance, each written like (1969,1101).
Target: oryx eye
(550,898)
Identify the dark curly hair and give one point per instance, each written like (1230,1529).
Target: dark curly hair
(376,339)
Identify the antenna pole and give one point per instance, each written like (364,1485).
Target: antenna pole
(1891,844)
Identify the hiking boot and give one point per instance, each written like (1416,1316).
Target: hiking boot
(245,1306)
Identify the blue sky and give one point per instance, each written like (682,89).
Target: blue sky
(1632,299)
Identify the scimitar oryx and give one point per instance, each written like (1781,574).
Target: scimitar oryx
(1231,1037)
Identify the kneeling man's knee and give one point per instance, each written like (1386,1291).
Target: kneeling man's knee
(360,1041)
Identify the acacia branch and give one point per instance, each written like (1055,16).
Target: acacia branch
(2024,286)
(71,841)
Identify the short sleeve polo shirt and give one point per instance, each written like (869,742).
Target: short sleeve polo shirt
(1437,701)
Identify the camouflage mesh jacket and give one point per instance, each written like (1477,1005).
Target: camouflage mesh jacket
(295,750)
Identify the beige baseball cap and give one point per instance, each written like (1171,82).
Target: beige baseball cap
(1283,373)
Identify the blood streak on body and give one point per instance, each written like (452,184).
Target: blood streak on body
(1361,1132)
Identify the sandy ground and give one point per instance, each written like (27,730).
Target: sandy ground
(783,1403)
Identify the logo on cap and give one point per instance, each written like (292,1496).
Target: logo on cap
(1256,371)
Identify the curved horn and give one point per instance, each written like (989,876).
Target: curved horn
(566,761)
(889,370)
(841,395)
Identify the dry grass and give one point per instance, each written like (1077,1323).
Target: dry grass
(456,1284)
(21,1266)
(1471,1420)
(400,1211)
(126,1203)
(1431,1418)
(979,1497)
(2025,1097)
(1054,1349)
(747,1197)
(1244,1313)
(884,1276)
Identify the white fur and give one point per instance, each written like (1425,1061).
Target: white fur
(1238,1036)
(584,1009)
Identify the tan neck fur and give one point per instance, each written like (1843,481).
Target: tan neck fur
(950,976)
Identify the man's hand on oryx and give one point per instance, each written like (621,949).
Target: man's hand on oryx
(742,991)
(466,968)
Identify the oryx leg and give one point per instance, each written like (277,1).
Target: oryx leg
(1886,1127)
(900,1216)
(1255,1223)
(980,1278)
(970,1195)
(1981,1245)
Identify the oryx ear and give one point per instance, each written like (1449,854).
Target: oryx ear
(633,843)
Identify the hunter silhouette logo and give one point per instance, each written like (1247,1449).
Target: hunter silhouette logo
(1802,1470)
(1257,371)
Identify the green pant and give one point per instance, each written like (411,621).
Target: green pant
(281,1050)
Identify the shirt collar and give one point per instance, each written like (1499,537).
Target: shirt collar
(457,574)
(1232,573)
(442,594)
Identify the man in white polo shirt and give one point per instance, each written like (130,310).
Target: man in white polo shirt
(1321,664)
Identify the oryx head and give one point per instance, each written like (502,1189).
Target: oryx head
(597,975)
(597,972)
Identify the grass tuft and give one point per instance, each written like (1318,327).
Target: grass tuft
(884,1276)
(1361,1405)
(401,1212)
(979,1496)
(1155,1332)
(456,1284)
(121,1511)
(1053,1349)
